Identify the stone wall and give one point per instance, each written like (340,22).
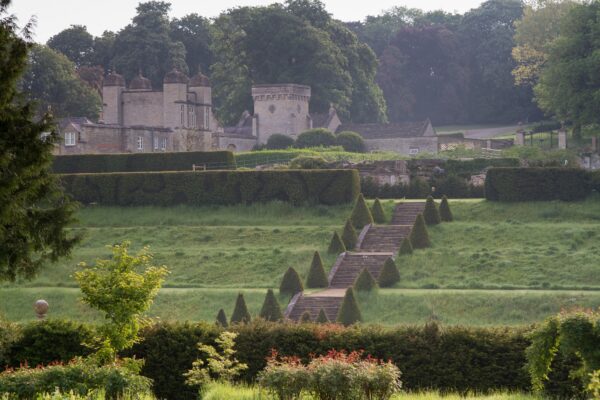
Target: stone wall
(236,144)
(142,108)
(405,146)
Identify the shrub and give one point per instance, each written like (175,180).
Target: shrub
(431,213)
(364,282)
(291,283)
(305,318)
(349,236)
(214,187)
(406,247)
(349,312)
(351,141)
(419,237)
(271,311)
(361,215)
(537,184)
(240,312)
(222,319)
(389,275)
(308,162)
(315,138)
(322,317)
(445,213)
(336,246)
(377,212)
(284,377)
(316,274)
(277,141)
(141,162)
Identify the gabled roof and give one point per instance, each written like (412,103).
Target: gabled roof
(390,131)
(243,127)
(321,120)
(76,122)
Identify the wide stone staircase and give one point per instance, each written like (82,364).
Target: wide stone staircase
(384,238)
(406,213)
(344,274)
(329,300)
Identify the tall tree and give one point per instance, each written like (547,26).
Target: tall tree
(34,212)
(75,42)
(194,32)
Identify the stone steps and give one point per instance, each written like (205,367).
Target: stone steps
(384,238)
(406,213)
(353,263)
(313,305)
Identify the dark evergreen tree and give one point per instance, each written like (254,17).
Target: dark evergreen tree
(349,311)
(361,215)
(389,275)
(322,317)
(271,311)
(336,246)
(445,213)
(316,275)
(291,283)
(419,237)
(431,213)
(364,281)
(349,236)
(377,212)
(406,247)
(305,318)
(222,319)
(240,312)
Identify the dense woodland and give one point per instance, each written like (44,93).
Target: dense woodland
(499,63)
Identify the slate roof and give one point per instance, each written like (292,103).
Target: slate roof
(76,121)
(388,131)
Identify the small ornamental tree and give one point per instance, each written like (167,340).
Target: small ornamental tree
(270,310)
(419,237)
(305,318)
(377,212)
(349,236)
(315,137)
(316,274)
(240,312)
(361,215)
(322,317)
(351,141)
(122,294)
(364,281)
(278,141)
(445,213)
(349,312)
(431,213)
(389,275)
(336,246)
(406,247)
(290,283)
(222,319)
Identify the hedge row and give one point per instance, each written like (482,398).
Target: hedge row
(447,359)
(452,186)
(141,162)
(538,184)
(214,187)
(466,168)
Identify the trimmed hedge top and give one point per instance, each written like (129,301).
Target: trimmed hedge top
(142,162)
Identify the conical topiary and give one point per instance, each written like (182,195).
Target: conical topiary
(222,319)
(364,281)
(389,275)
(305,318)
(406,247)
(291,283)
(431,213)
(322,317)
(445,213)
(336,246)
(349,312)
(419,237)
(240,312)
(316,275)
(361,215)
(377,212)
(270,310)
(349,236)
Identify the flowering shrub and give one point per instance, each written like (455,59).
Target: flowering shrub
(336,375)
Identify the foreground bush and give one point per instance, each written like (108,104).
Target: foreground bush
(315,138)
(351,141)
(277,141)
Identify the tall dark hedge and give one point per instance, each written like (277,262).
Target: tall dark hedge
(537,184)
(271,311)
(431,212)
(445,212)
(419,237)
(222,319)
(349,312)
(291,283)
(377,212)
(329,187)
(141,162)
(389,275)
(349,236)
(336,245)
(240,314)
(361,215)
(406,247)
(317,278)
(364,282)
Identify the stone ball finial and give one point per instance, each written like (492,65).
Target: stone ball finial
(41,308)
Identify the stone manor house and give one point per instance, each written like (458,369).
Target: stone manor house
(139,118)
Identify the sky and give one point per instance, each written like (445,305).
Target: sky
(100,15)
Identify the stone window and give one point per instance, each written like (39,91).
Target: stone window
(182,115)
(155,140)
(70,139)
(140,143)
(206,118)
(163,144)
(272,108)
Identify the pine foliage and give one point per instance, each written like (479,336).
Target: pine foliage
(322,317)
(240,312)
(349,311)
(316,275)
(419,237)
(389,275)
(349,236)
(364,281)
(406,247)
(377,212)
(222,319)
(361,215)
(336,246)
(431,212)
(290,283)
(445,213)
(305,318)
(271,311)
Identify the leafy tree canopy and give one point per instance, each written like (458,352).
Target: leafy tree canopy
(75,42)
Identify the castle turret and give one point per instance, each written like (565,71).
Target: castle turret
(200,85)
(112,90)
(175,107)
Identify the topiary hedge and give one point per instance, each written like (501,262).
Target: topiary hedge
(141,162)
(537,184)
(214,187)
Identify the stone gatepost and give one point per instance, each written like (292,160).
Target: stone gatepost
(520,138)
(562,139)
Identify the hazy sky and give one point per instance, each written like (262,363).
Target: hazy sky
(100,15)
